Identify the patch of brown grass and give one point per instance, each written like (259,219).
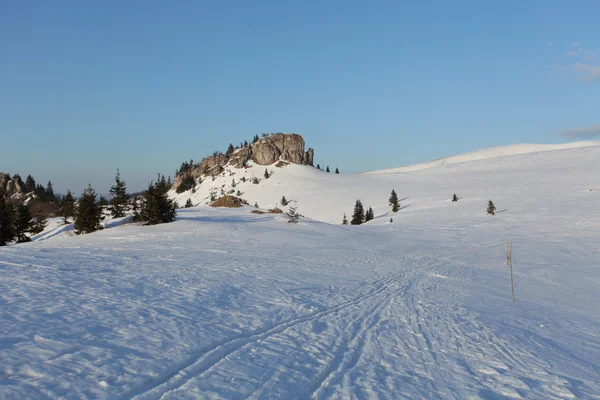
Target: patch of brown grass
(282,164)
(228,201)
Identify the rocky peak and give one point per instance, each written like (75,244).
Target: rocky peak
(11,187)
(267,150)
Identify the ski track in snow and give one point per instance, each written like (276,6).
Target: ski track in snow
(226,304)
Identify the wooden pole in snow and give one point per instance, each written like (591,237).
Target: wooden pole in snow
(509,263)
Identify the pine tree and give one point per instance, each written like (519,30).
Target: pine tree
(319,167)
(394,201)
(491,208)
(50,197)
(369,215)
(345,220)
(188,203)
(230,150)
(67,207)
(157,207)
(30,184)
(337,171)
(7,233)
(284,201)
(233,183)
(23,224)
(118,203)
(256,204)
(255,139)
(391,220)
(40,222)
(293,216)
(88,217)
(358,217)
(135,209)
(327,170)
(454,198)
(267,175)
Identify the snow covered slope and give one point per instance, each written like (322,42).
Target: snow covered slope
(510,150)
(223,303)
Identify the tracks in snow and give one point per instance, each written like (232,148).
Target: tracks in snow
(203,362)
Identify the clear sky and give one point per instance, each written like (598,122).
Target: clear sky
(143,85)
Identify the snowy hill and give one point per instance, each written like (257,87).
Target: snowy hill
(223,303)
(501,151)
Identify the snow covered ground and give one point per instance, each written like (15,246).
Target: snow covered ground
(227,304)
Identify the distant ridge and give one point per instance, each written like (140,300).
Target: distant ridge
(492,152)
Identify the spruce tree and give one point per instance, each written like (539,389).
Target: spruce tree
(319,167)
(30,184)
(23,224)
(358,217)
(369,215)
(40,222)
(256,204)
(157,207)
(50,197)
(284,201)
(267,175)
(135,209)
(88,217)
(188,203)
(230,150)
(255,139)
(454,198)
(345,220)
(327,170)
(118,203)
(67,207)
(391,220)
(337,171)
(491,208)
(293,216)
(394,201)
(7,233)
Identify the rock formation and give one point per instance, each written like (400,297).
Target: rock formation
(10,187)
(266,151)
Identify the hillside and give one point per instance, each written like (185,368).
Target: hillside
(223,303)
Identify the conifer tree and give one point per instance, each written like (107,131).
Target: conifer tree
(293,216)
(491,208)
(394,201)
(233,183)
(255,139)
(118,203)
(358,217)
(230,150)
(369,215)
(256,204)
(337,171)
(30,184)
(188,203)
(7,233)
(67,207)
(50,197)
(327,170)
(454,198)
(345,220)
(267,175)
(391,220)
(135,209)
(40,222)
(284,201)
(23,224)
(319,167)
(88,217)
(157,207)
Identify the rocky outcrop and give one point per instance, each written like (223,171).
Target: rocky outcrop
(10,187)
(266,151)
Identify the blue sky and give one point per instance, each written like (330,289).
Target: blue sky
(143,85)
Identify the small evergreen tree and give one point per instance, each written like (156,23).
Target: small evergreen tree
(284,201)
(30,184)
(50,197)
(345,220)
(40,222)
(255,180)
(188,203)
(394,201)
(23,224)
(319,167)
(67,207)
(491,208)
(454,198)
(293,216)
(369,215)
(256,204)
(337,171)
(233,183)
(157,207)
(230,150)
(118,203)
(391,220)
(358,217)
(327,170)
(88,217)
(255,139)
(267,175)
(7,233)
(239,193)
